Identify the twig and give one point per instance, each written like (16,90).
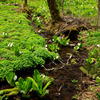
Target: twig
(62,66)
(47,69)
(70,57)
(61,87)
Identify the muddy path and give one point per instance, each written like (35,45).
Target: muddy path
(63,87)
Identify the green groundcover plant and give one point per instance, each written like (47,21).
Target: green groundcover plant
(77,8)
(92,64)
(20,47)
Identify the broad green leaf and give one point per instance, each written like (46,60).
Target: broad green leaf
(10,78)
(38,78)
(45,87)
(28,84)
(34,84)
(0,98)
(20,84)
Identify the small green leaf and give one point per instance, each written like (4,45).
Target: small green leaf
(45,87)
(38,78)
(97,79)
(20,84)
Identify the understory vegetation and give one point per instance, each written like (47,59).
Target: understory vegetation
(20,47)
(23,48)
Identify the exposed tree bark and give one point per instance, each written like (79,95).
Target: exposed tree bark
(55,15)
(25,3)
(99,14)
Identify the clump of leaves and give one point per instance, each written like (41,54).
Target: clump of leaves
(5,34)
(90,33)
(78,46)
(92,64)
(17,51)
(39,83)
(98,80)
(53,47)
(38,86)
(11,78)
(74,81)
(63,41)
(39,22)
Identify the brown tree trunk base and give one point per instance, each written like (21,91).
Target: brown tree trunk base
(99,15)
(70,27)
(55,14)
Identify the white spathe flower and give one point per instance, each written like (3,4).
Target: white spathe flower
(98,45)
(19,21)
(8,44)
(3,33)
(43,76)
(78,44)
(15,77)
(67,43)
(46,46)
(20,52)
(37,18)
(22,91)
(11,44)
(77,48)
(74,47)
(39,31)
(57,57)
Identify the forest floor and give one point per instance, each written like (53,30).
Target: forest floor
(70,82)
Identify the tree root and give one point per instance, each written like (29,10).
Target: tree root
(63,65)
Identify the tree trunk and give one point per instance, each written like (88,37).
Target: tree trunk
(99,14)
(25,3)
(55,15)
